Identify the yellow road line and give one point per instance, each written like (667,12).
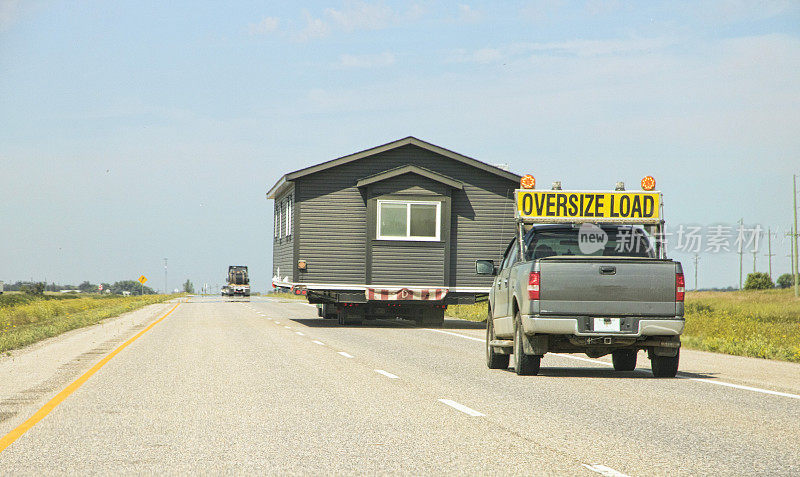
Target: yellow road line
(12,436)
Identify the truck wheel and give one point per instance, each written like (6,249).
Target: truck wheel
(624,359)
(493,360)
(524,364)
(664,366)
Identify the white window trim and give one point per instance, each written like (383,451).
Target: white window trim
(288,216)
(278,221)
(408,237)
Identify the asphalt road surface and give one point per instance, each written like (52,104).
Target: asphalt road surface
(267,387)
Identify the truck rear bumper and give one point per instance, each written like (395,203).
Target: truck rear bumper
(533,324)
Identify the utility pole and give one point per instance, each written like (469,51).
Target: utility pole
(741,250)
(696,259)
(794,236)
(754,252)
(769,251)
(165,276)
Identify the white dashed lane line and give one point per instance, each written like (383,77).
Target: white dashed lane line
(299,333)
(604,470)
(456,334)
(603,363)
(462,408)
(346,355)
(318,342)
(387,374)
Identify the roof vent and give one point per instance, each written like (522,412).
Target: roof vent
(620,186)
(556,185)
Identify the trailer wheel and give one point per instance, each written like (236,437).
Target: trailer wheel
(493,360)
(624,359)
(524,364)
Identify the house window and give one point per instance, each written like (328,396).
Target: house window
(277,220)
(409,220)
(289,216)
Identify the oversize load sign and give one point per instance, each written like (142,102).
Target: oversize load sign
(571,206)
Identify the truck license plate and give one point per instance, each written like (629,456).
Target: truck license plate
(606,324)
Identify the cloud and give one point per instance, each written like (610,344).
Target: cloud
(355,16)
(467,15)
(265,26)
(541,10)
(601,7)
(9,9)
(315,28)
(367,61)
(361,16)
(574,48)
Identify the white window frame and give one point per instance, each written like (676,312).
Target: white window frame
(278,222)
(288,216)
(408,204)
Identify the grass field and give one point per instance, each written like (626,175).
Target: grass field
(25,319)
(286,295)
(760,324)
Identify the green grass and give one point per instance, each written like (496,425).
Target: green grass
(760,324)
(25,319)
(476,312)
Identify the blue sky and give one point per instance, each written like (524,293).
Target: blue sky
(133,131)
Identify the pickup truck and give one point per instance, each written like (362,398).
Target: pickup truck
(550,295)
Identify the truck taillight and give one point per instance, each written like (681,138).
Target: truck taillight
(680,287)
(533,286)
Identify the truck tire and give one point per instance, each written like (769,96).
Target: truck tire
(524,364)
(493,360)
(624,359)
(664,366)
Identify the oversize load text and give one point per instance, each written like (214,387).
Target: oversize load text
(587,205)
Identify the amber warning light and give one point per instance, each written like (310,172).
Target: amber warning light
(527,182)
(648,183)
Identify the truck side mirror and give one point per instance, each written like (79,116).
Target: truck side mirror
(485,267)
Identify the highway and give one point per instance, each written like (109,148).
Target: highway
(265,386)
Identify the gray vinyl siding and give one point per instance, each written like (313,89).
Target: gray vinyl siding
(410,184)
(331,216)
(421,265)
(282,249)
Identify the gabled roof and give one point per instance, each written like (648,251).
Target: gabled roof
(399,171)
(410,140)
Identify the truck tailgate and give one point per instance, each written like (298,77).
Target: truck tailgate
(607,286)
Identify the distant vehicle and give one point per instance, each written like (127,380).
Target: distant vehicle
(238,281)
(587,273)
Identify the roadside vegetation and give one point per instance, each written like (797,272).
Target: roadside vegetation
(476,312)
(26,318)
(756,323)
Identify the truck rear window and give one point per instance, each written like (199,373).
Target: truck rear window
(620,241)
